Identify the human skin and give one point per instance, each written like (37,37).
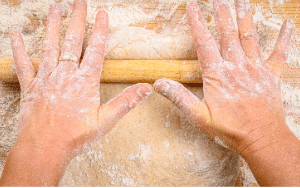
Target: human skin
(242,103)
(60,111)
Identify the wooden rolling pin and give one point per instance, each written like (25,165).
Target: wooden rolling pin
(130,71)
(147,71)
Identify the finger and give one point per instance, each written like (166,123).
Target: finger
(24,68)
(72,46)
(280,51)
(119,106)
(50,49)
(207,50)
(231,49)
(92,62)
(247,30)
(192,106)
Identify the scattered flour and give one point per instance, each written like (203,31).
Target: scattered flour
(293,123)
(9,110)
(167,144)
(144,151)
(291,97)
(247,176)
(124,36)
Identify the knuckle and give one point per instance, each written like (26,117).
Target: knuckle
(249,36)
(176,100)
(228,31)
(73,39)
(127,103)
(203,37)
(49,47)
(175,97)
(92,50)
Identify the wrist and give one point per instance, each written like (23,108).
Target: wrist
(265,142)
(263,137)
(32,165)
(272,160)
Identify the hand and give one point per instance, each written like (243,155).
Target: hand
(241,90)
(242,102)
(60,106)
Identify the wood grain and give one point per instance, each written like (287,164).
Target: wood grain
(130,71)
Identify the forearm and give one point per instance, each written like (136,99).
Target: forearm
(27,165)
(275,162)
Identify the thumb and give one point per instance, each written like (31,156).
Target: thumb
(24,68)
(119,106)
(196,110)
(280,51)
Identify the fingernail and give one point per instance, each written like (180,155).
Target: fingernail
(192,3)
(290,23)
(163,86)
(102,17)
(102,12)
(15,38)
(145,90)
(192,9)
(79,2)
(158,84)
(14,34)
(55,7)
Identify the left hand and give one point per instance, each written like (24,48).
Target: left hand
(241,90)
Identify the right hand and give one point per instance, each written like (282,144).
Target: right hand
(60,105)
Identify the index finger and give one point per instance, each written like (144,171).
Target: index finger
(24,67)
(208,53)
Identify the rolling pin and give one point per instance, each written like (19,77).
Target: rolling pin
(146,71)
(130,71)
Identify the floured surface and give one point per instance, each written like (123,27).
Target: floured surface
(153,146)
(9,110)
(159,147)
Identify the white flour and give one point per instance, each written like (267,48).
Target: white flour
(172,42)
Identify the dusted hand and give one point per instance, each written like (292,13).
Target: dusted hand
(60,106)
(242,101)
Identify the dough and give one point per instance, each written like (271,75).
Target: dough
(153,145)
(139,43)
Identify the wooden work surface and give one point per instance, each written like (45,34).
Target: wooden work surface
(288,10)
